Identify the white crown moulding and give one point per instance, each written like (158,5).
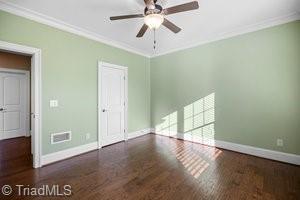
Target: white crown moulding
(50,21)
(236,32)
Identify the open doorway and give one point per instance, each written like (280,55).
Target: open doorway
(15,136)
(20,107)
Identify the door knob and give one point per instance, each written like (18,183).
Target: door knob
(103,110)
(2,109)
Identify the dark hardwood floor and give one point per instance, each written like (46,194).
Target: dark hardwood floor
(157,167)
(15,156)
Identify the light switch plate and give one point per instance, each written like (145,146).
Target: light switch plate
(53,103)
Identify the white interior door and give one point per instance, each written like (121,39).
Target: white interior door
(14,105)
(112,105)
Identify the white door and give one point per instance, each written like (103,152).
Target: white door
(14,111)
(112,105)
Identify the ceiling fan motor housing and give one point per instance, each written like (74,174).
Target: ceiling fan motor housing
(157,10)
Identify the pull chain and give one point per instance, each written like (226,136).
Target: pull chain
(154,39)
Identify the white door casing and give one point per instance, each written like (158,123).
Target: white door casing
(14,104)
(113,104)
(36,95)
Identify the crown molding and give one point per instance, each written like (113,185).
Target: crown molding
(235,32)
(50,21)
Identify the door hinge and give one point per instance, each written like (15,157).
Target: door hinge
(124,130)
(124,103)
(124,77)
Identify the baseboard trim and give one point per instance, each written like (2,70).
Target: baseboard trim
(75,151)
(260,152)
(246,149)
(139,133)
(68,153)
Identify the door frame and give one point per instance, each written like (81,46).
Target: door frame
(36,94)
(27,88)
(125,69)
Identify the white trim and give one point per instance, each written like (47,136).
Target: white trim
(26,73)
(28,105)
(100,65)
(234,32)
(264,153)
(16,71)
(50,21)
(152,130)
(260,152)
(67,153)
(139,133)
(99,106)
(36,86)
(126,104)
(246,149)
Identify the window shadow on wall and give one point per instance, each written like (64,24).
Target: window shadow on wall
(199,119)
(169,125)
(198,124)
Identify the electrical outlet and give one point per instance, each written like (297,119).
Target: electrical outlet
(279,142)
(87,136)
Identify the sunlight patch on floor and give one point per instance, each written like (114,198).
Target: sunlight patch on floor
(195,159)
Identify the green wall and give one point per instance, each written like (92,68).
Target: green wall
(69,74)
(255,78)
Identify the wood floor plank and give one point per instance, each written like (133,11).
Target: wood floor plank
(156,167)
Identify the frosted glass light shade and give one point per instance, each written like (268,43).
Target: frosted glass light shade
(153,21)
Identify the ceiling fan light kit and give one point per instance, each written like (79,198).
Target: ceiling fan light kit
(153,21)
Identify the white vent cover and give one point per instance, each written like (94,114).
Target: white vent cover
(60,137)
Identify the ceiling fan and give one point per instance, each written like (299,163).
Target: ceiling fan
(154,16)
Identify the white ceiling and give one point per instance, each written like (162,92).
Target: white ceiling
(214,19)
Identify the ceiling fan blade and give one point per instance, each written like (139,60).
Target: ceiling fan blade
(126,17)
(171,26)
(142,31)
(182,8)
(150,4)
(147,1)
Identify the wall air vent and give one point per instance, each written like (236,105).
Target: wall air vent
(60,137)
